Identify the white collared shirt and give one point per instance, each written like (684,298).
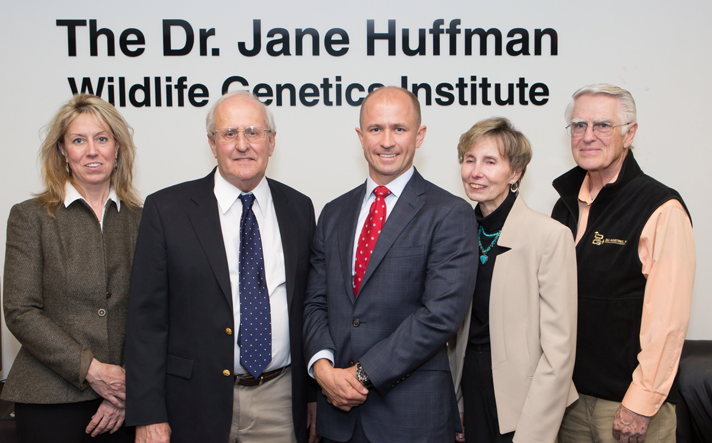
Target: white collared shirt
(230,210)
(71,195)
(396,187)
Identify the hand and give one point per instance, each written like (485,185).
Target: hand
(460,436)
(155,433)
(340,386)
(311,423)
(107,418)
(109,381)
(629,427)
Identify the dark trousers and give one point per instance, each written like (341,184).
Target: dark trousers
(357,437)
(62,423)
(481,424)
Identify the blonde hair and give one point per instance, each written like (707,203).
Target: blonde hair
(53,163)
(514,146)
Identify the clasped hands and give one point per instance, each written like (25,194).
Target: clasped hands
(109,381)
(340,386)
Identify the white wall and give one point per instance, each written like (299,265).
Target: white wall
(658,50)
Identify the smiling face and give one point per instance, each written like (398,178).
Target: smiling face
(487,175)
(242,163)
(389,134)
(90,151)
(593,152)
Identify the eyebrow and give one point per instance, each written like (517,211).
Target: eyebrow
(578,120)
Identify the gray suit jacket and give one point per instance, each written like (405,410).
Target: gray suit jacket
(66,296)
(532,315)
(413,297)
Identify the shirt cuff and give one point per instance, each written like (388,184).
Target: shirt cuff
(86,358)
(643,402)
(326,353)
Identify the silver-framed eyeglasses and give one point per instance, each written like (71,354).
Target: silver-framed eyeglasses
(578,129)
(229,135)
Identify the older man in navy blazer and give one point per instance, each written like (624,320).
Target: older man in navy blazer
(190,374)
(387,291)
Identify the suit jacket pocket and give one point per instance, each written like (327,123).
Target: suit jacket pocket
(179,366)
(405,251)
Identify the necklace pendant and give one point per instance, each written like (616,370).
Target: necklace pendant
(483,259)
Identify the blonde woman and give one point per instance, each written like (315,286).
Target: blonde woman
(67,265)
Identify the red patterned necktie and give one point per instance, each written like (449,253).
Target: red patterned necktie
(369,234)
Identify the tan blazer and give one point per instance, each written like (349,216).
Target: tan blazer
(65,296)
(532,314)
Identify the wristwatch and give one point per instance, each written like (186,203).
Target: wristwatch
(362,377)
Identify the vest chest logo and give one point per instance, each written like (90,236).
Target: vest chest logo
(599,239)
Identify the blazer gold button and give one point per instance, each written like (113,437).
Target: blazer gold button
(226,373)
(356,322)
(102,312)
(228,331)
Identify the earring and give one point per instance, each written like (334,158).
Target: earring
(67,168)
(116,163)
(514,187)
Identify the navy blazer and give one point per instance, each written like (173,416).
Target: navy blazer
(180,308)
(413,298)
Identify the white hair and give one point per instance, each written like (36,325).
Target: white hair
(210,119)
(625,99)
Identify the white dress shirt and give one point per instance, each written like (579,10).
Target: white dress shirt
(230,209)
(71,195)
(396,187)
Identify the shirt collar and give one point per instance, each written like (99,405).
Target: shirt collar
(396,186)
(227,194)
(71,195)
(584,195)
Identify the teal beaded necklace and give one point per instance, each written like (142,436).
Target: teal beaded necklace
(494,237)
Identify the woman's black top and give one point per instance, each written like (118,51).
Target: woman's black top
(479,325)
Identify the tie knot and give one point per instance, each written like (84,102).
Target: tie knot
(247,200)
(381,191)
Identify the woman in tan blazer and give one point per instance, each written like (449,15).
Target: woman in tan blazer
(513,358)
(67,264)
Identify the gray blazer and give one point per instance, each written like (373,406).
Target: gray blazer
(413,297)
(66,296)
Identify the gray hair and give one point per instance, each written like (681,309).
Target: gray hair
(625,99)
(210,119)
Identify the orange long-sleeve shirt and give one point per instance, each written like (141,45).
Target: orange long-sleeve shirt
(667,252)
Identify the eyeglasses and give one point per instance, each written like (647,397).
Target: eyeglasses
(229,135)
(578,129)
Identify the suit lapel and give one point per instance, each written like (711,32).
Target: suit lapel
(346,234)
(289,233)
(407,206)
(203,214)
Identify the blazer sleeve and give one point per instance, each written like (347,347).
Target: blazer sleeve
(547,398)
(449,283)
(147,325)
(316,334)
(24,300)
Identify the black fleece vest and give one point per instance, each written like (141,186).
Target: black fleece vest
(611,286)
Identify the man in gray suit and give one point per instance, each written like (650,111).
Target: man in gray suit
(392,274)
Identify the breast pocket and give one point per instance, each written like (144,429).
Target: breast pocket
(405,251)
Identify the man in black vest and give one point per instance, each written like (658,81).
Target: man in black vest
(636,259)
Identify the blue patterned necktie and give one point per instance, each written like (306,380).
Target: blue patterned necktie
(255,339)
